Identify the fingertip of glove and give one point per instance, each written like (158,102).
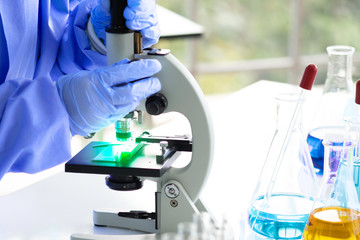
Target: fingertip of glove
(152,65)
(156,84)
(123,61)
(155,64)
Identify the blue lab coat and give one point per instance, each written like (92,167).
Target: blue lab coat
(40,40)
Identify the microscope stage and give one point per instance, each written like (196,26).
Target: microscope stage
(142,164)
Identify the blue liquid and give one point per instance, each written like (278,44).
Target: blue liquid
(284,217)
(316,148)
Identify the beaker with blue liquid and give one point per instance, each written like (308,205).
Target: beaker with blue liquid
(337,102)
(287,186)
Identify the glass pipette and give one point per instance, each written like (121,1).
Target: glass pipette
(306,84)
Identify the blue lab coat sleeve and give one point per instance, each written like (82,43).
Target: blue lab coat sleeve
(75,52)
(34,127)
(44,39)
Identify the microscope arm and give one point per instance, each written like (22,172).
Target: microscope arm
(185,96)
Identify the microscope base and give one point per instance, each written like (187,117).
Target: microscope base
(112,219)
(79,236)
(174,207)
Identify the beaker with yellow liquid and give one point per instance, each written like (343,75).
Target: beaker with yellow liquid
(335,214)
(330,223)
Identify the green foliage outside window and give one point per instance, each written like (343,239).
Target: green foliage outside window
(240,30)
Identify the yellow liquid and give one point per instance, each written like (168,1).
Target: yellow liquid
(331,223)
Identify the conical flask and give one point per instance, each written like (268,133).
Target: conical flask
(287,185)
(335,214)
(353,132)
(337,101)
(352,126)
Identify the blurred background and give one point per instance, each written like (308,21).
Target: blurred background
(249,40)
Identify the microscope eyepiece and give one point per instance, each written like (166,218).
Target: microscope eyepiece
(118,21)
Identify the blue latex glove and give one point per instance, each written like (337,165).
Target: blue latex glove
(140,15)
(95,99)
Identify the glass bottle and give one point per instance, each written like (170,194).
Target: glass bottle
(170,236)
(187,231)
(335,214)
(206,229)
(337,101)
(286,189)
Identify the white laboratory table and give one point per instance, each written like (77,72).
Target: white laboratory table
(61,204)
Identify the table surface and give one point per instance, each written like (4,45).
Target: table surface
(61,204)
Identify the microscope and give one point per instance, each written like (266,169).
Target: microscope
(134,159)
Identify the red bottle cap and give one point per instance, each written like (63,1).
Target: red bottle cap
(308,77)
(357,92)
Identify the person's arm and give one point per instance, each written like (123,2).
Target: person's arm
(34,126)
(75,52)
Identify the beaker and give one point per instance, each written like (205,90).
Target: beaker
(336,102)
(286,189)
(335,214)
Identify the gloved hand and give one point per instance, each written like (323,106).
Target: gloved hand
(140,15)
(95,99)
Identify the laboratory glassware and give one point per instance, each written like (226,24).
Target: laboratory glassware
(336,102)
(170,236)
(335,214)
(225,231)
(205,228)
(352,126)
(285,191)
(353,130)
(187,231)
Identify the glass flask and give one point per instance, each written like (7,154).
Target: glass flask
(337,101)
(335,214)
(205,228)
(225,230)
(187,231)
(170,236)
(352,125)
(285,191)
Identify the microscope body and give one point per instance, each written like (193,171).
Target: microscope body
(183,95)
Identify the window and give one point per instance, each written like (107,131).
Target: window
(249,40)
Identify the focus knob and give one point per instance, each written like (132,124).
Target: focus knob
(156,104)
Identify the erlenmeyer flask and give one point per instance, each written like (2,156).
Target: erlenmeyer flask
(337,101)
(286,189)
(353,134)
(335,214)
